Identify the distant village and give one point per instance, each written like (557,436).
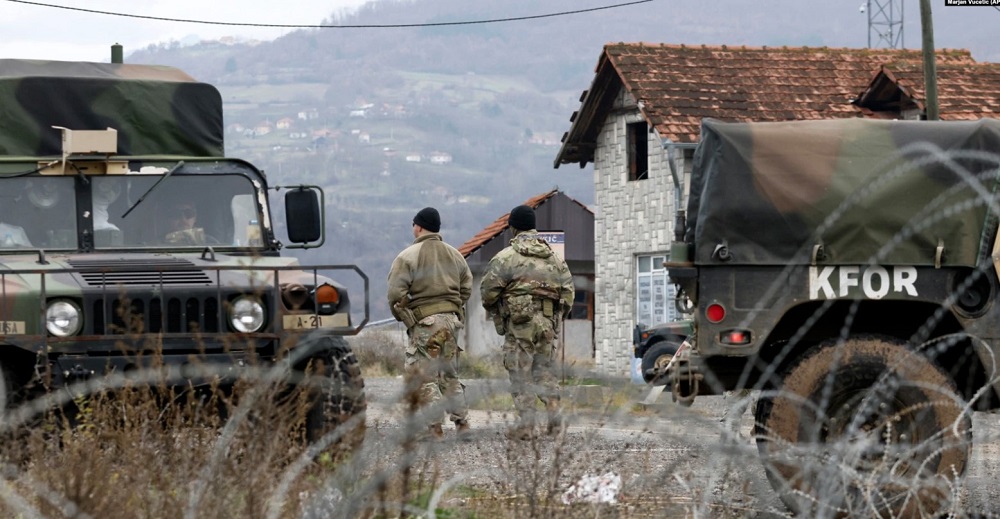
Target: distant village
(302,127)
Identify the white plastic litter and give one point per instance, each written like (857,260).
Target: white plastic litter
(594,489)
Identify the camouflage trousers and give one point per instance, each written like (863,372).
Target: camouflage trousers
(528,356)
(430,365)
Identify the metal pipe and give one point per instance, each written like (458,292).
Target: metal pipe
(680,220)
(930,69)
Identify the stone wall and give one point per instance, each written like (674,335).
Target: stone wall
(633,218)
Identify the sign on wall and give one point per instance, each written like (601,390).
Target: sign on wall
(556,240)
(654,293)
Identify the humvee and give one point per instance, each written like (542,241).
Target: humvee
(656,346)
(847,269)
(129,240)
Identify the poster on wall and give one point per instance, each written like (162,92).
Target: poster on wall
(654,294)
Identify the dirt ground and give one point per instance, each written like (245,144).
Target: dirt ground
(672,461)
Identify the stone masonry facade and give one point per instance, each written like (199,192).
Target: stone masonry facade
(634,218)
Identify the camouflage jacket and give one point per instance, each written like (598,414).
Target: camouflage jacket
(527,266)
(428,271)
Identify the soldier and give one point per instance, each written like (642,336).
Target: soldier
(181,219)
(528,289)
(11,235)
(429,284)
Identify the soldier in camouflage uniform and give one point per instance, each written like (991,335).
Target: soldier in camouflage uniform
(429,284)
(528,289)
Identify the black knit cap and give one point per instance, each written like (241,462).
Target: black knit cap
(522,218)
(429,219)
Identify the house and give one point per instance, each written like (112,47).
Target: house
(283,123)
(262,129)
(440,157)
(967,91)
(639,122)
(570,225)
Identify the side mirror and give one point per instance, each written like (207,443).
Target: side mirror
(304,215)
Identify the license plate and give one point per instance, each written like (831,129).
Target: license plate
(299,322)
(11,327)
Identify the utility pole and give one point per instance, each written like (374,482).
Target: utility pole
(930,69)
(885,23)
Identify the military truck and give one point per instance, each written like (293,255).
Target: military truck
(129,240)
(656,346)
(847,269)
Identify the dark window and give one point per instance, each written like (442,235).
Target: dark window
(638,151)
(583,305)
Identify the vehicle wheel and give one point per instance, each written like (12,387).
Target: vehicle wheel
(336,397)
(866,428)
(657,357)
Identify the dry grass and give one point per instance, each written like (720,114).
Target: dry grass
(152,452)
(381,353)
(155,452)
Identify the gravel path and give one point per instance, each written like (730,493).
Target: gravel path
(670,459)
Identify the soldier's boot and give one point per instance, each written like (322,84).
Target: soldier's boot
(520,433)
(436,431)
(463,430)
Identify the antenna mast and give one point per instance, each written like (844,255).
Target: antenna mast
(885,23)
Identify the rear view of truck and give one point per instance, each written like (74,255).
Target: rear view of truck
(847,270)
(129,242)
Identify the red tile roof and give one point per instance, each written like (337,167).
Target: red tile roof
(500,225)
(966,91)
(678,85)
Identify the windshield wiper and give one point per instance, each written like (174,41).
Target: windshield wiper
(152,187)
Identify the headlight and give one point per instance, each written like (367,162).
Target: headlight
(62,318)
(246,315)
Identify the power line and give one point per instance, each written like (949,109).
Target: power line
(299,26)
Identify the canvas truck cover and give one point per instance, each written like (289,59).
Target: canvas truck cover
(868,191)
(157,110)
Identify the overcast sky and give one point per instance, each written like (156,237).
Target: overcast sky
(37,32)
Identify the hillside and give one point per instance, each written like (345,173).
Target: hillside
(466,118)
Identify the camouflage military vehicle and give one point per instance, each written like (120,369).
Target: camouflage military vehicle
(848,270)
(128,239)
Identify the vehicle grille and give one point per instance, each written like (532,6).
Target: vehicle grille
(184,314)
(133,276)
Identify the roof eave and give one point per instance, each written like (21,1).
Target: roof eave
(579,143)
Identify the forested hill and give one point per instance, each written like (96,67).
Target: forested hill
(466,118)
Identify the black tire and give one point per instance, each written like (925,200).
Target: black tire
(866,428)
(337,396)
(657,357)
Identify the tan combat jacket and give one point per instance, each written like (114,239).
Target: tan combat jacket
(426,273)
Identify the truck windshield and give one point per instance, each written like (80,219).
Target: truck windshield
(184,211)
(37,213)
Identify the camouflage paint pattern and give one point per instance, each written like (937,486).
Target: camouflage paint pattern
(528,269)
(430,364)
(135,294)
(867,190)
(157,110)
